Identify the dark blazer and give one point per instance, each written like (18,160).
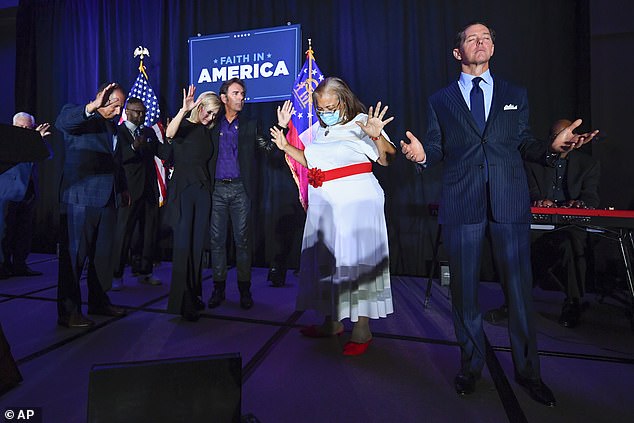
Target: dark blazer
(92,170)
(191,148)
(140,170)
(190,151)
(466,152)
(582,179)
(248,133)
(15,181)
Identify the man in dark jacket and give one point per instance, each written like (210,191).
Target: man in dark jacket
(572,182)
(139,145)
(93,185)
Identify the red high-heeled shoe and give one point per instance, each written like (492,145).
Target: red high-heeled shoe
(356,348)
(313,331)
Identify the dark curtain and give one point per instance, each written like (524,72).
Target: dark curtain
(396,51)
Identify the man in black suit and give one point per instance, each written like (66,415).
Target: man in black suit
(138,147)
(93,185)
(478,126)
(572,182)
(231,166)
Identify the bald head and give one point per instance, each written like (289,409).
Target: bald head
(559,126)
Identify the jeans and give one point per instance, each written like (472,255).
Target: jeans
(230,200)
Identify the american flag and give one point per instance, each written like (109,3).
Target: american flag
(143,91)
(304,121)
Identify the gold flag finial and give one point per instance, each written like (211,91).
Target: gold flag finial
(141,52)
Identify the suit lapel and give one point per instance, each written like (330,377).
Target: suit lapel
(455,96)
(111,129)
(500,88)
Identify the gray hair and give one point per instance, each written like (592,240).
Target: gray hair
(23,115)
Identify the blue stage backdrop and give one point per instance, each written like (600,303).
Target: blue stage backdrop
(266,59)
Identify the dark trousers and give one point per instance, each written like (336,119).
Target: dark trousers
(230,200)
(86,234)
(16,244)
(284,228)
(511,249)
(562,253)
(3,214)
(191,235)
(143,212)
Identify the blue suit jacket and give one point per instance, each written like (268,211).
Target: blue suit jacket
(453,137)
(92,170)
(15,181)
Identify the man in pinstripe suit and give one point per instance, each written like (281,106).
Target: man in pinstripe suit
(479,127)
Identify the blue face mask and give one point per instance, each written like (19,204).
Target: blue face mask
(330,118)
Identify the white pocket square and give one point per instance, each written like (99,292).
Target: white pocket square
(510,107)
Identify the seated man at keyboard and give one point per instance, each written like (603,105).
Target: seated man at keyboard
(560,254)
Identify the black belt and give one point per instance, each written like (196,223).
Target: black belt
(228,180)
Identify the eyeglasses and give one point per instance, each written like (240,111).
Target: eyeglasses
(328,110)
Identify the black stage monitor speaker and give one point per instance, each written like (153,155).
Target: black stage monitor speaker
(9,374)
(194,389)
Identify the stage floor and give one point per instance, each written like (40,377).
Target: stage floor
(405,376)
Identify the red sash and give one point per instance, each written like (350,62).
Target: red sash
(316,177)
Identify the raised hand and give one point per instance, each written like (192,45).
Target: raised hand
(284,113)
(413,150)
(188,98)
(581,139)
(278,138)
(567,139)
(375,123)
(43,129)
(101,99)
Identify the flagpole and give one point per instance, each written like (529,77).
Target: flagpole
(309,87)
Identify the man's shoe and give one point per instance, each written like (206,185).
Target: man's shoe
(246,300)
(465,383)
(117,284)
(149,280)
(198,304)
(107,310)
(26,271)
(277,277)
(217,297)
(538,391)
(497,315)
(570,313)
(75,320)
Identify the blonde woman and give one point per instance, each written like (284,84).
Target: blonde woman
(190,198)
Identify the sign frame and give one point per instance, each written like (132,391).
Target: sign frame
(269,70)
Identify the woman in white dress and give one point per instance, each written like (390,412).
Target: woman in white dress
(344,266)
